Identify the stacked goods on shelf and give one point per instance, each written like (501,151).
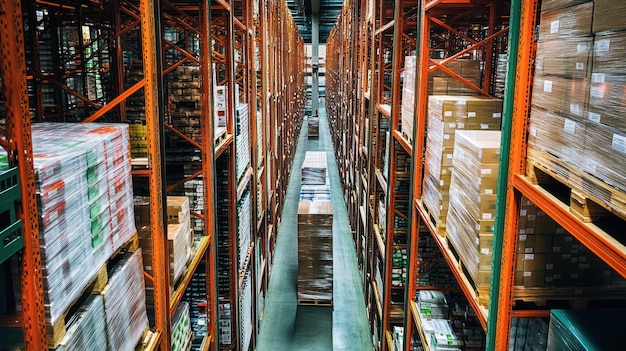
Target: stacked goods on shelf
(576,124)
(184,112)
(528,334)
(448,322)
(399,270)
(136,112)
(87,329)
(441,83)
(599,329)
(446,114)
(179,238)
(220,108)
(244,227)
(408,97)
(313,125)
(125,304)
(181,328)
(315,252)
(194,190)
(315,185)
(549,257)
(224,259)
(500,78)
(245,312)
(242,136)
(196,297)
(84,199)
(433,270)
(470,220)
(398,338)
(224,318)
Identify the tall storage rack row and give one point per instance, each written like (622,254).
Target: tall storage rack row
(212,94)
(544,223)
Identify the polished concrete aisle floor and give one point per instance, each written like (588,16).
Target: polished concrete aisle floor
(287,326)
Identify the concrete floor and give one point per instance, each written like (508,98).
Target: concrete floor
(287,326)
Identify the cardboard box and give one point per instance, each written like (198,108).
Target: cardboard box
(608,15)
(605,149)
(548,5)
(567,57)
(607,100)
(609,50)
(565,96)
(566,22)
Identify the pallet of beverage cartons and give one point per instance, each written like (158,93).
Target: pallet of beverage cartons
(447,114)
(315,253)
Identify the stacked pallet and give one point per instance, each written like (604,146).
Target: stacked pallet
(447,114)
(470,220)
(577,130)
(315,185)
(242,137)
(315,253)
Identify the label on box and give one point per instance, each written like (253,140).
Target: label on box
(527,274)
(580,66)
(554,27)
(447,113)
(597,78)
(522,237)
(484,126)
(529,257)
(530,231)
(549,266)
(523,212)
(582,47)
(596,92)
(471,114)
(602,45)
(497,115)
(574,109)
(449,156)
(533,131)
(528,250)
(522,231)
(569,127)
(460,125)
(547,86)
(488,191)
(594,117)
(487,216)
(461,102)
(485,251)
(485,171)
(446,136)
(619,143)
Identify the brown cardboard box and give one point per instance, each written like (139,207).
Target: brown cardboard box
(605,149)
(607,100)
(177,209)
(561,95)
(535,262)
(609,15)
(609,50)
(547,5)
(567,57)
(534,279)
(566,22)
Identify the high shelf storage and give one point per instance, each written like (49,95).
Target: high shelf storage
(542,220)
(211,96)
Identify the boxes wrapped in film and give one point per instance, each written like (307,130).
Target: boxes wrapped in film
(571,21)
(597,329)
(567,57)
(607,100)
(125,303)
(314,168)
(560,95)
(548,5)
(609,50)
(608,15)
(408,96)
(87,328)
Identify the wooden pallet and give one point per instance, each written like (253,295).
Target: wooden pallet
(569,297)
(437,223)
(589,197)
(313,302)
(57,330)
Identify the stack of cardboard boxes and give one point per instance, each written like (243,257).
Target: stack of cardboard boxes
(470,220)
(578,94)
(447,114)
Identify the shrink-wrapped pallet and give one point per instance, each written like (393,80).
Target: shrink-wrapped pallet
(446,114)
(548,5)
(84,199)
(609,50)
(314,168)
(605,154)
(564,96)
(87,328)
(242,137)
(125,303)
(470,220)
(592,329)
(566,57)
(315,252)
(408,96)
(608,15)
(607,100)
(566,22)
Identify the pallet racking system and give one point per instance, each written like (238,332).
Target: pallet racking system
(162,67)
(365,65)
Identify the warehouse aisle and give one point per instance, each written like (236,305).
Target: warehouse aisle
(289,327)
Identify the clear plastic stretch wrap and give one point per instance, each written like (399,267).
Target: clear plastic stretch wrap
(314,168)
(570,21)
(242,123)
(245,315)
(559,136)
(408,96)
(125,303)
(578,330)
(447,114)
(84,198)
(181,328)
(315,251)
(566,57)
(607,100)
(528,334)
(244,227)
(608,15)
(86,330)
(609,50)
(561,95)
(471,215)
(547,5)
(605,154)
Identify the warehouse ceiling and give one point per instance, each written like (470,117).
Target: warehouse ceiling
(302,12)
